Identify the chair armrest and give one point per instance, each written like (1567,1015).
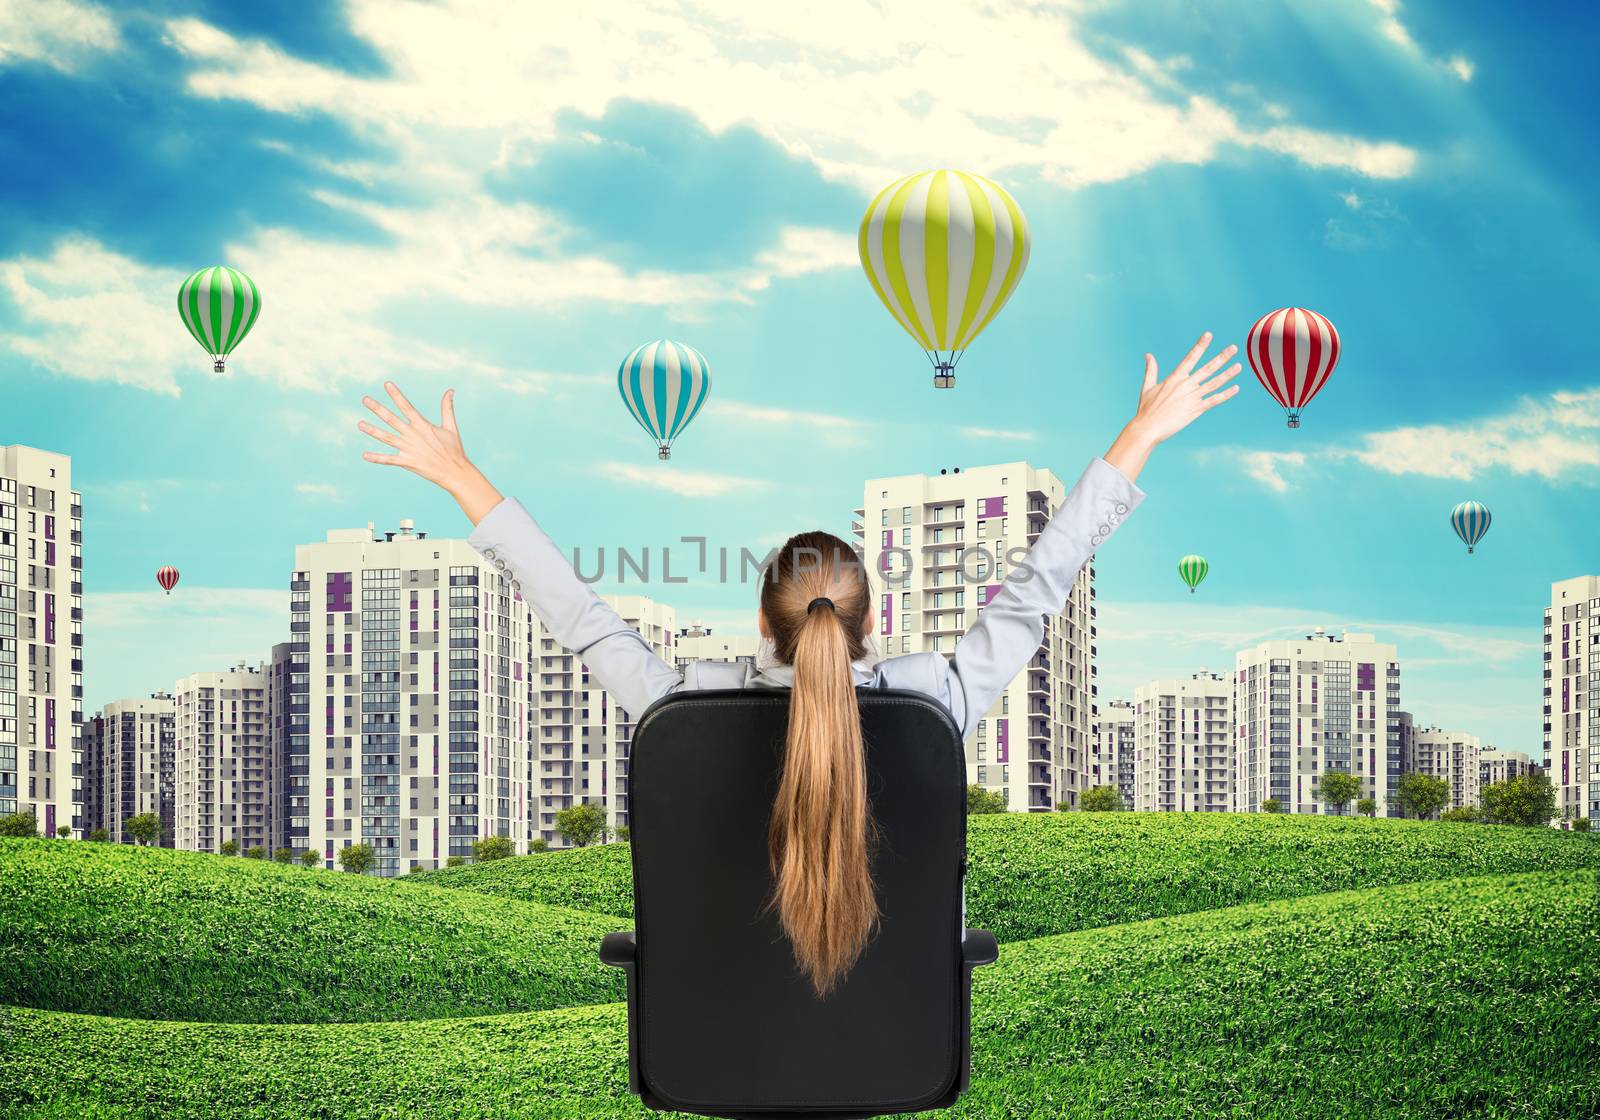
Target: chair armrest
(620,950)
(977,948)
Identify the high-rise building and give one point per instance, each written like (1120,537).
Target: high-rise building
(938,546)
(409,699)
(1112,757)
(1495,765)
(1572,696)
(130,766)
(223,787)
(287,713)
(1453,756)
(697,643)
(1183,745)
(582,742)
(1306,705)
(1402,747)
(41,639)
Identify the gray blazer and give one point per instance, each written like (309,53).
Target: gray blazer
(1008,631)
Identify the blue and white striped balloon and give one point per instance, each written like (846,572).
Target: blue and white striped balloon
(1470,520)
(664,384)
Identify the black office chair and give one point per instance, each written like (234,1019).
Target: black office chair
(720,1021)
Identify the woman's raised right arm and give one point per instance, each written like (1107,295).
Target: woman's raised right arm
(615,654)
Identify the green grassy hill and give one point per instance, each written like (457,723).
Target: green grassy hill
(1443,999)
(153,934)
(1033,875)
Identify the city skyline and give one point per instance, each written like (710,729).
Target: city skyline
(425,231)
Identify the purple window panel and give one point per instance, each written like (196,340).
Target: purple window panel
(49,620)
(1564,653)
(987,592)
(49,553)
(1566,768)
(339,590)
(1002,740)
(992,507)
(888,614)
(669,639)
(49,527)
(1566,698)
(1566,630)
(49,728)
(414,595)
(413,624)
(49,820)
(349,642)
(1366,677)
(516,670)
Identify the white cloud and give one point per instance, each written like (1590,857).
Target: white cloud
(837,431)
(324,490)
(688,484)
(1392,29)
(999,433)
(1461,68)
(863,92)
(1556,438)
(60,33)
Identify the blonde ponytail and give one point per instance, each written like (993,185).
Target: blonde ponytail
(821,835)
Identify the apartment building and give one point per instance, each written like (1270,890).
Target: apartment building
(41,640)
(1453,756)
(408,684)
(1496,765)
(1305,705)
(937,547)
(130,765)
(1183,745)
(1112,757)
(1572,696)
(696,642)
(582,740)
(224,761)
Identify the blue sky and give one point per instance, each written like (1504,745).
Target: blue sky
(481,196)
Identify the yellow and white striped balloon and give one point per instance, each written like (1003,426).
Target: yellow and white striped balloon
(944,251)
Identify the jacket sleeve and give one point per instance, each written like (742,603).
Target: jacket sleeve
(616,654)
(1010,626)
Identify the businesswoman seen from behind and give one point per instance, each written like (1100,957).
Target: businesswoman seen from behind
(815,617)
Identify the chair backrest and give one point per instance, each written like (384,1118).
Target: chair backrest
(726,1024)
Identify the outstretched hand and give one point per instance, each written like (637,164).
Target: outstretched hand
(1166,407)
(430,450)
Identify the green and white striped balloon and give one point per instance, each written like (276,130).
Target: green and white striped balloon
(219,305)
(1192,570)
(944,250)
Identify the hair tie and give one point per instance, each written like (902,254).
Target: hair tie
(811,606)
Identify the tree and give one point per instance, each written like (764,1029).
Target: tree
(1422,795)
(356,859)
(492,848)
(256,852)
(1272,805)
(229,848)
(624,833)
(145,828)
(415,868)
(19,824)
(582,824)
(539,845)
(64,831)
(1527,799)
(1580,824)
(1463,814)
(980,800)
(1337,788)
(100,834)
(1367,806)
(455,861)
(1101,799)
(282,855)
(310,858)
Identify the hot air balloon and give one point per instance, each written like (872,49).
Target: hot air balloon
(168,578)
(1293,352)
(1192,570)
(944,251)
(1470,520)
(219,305)
(664,384)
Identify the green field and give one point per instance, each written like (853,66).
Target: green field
(1458,978)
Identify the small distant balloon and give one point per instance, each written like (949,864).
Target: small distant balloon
(1192,570)
(1470,520)
(219,305)
(944,250)
(664,384)
(168,578)
(1293,351)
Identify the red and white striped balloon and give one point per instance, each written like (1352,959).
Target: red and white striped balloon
(1293,351)
(167,578)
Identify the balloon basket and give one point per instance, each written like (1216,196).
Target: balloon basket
(664,453)
(219,366)
(1294,421)
(944,381)
(1469,550)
